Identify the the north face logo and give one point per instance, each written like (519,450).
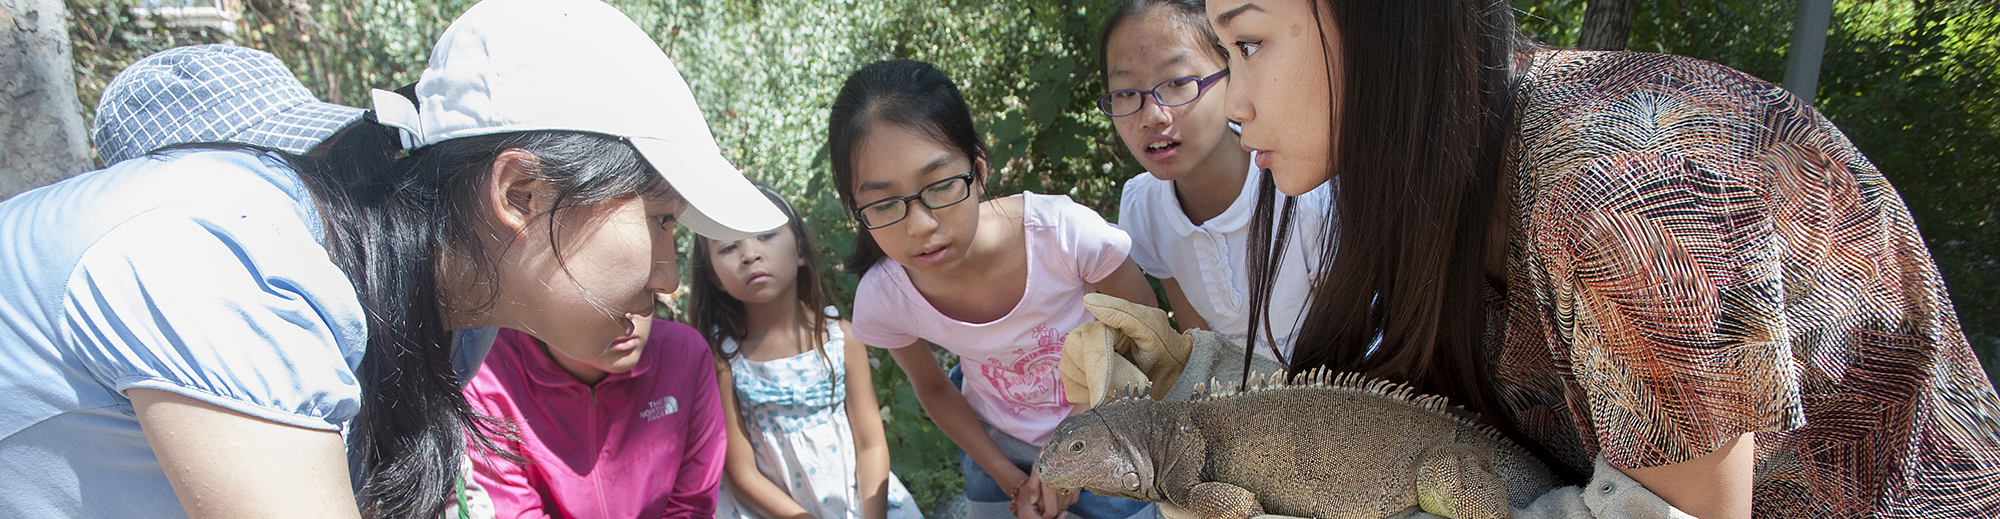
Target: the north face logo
(659,408)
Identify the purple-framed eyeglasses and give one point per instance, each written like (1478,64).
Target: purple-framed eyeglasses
(1173,92)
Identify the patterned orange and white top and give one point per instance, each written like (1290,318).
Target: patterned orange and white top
(1697,255)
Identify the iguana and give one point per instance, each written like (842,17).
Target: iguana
(1323,446)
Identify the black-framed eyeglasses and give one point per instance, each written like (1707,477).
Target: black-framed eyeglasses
(1173,92)
(936,195)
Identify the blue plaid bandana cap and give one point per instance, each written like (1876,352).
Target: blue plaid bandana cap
(211,93)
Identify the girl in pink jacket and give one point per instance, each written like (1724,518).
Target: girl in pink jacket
(635,432)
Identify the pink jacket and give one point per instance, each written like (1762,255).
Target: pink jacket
(645,443)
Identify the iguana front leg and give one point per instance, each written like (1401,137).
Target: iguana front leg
(1457,481)
(1179,461)
(1180,472)
(1218,500)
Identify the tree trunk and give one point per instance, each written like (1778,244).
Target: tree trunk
(1607,25)
(40,121)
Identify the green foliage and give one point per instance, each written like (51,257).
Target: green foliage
(343,49)
(1748,35)
(1555,22)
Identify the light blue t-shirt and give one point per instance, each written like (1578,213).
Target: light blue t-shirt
(197,272)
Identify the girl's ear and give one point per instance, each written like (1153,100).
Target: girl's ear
(514,194)
(979,184)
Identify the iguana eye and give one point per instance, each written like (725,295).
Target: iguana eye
(1076,447)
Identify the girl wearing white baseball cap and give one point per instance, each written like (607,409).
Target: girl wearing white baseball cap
(198,324)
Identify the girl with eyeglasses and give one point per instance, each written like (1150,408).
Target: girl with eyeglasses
(1189,214)
(998,282)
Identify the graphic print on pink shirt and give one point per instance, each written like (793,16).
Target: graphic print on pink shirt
(1029,384)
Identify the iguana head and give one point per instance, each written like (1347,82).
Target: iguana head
(1096,451)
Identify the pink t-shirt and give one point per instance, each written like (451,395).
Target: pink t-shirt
(1011,378)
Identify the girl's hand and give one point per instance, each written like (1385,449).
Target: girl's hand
(1015,484)
(1035,501)
(1061,498)
(1028,499)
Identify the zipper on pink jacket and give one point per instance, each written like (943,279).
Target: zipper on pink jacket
(600,435)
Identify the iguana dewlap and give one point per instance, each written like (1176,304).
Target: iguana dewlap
(1325,446)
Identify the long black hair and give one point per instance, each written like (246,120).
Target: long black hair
(911,94)
(1425,94)
(398,227)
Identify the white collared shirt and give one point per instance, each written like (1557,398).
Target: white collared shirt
(1211,260)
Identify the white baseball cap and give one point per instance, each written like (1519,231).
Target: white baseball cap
(577,65)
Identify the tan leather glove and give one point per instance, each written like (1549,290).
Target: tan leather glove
(1149,341)
(1092,370)
(1130,345)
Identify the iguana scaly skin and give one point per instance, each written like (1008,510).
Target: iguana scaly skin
(1324,446)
